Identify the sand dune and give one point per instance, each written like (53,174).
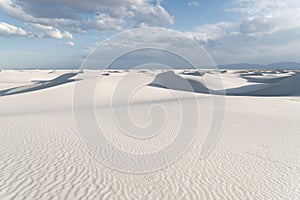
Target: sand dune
(42,155)
(279,86)
(286,86)
(39,85)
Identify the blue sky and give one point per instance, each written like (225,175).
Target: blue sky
(60,33)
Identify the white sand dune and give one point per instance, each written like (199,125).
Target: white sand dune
(42,155)
(278,86)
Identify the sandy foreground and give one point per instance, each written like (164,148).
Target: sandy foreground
(257,155)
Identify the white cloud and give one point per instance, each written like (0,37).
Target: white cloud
(267,16)
(208,32)
(270,24)
(11,30)
(149,15)
(87,49)
(280,46)
(259,25)
(262,7)
(52,32)
(103,22)
(194,3)
(148,45)
(100,15)
(269,31)
(70,44)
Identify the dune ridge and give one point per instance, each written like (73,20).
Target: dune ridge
(280,86)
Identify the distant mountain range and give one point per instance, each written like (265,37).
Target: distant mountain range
(278,66)
(272,66)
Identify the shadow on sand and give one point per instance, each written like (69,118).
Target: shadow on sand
(287,86)
(265,80)
(39,85)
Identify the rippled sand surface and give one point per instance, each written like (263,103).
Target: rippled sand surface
(42,155)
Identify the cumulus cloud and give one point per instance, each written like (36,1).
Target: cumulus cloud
(259,25)
(11,30)
(99,15)
(268,31)
(50,31)
(267,16)
(149,15)
(215,31)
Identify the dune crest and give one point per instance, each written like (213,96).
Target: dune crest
(280,86)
